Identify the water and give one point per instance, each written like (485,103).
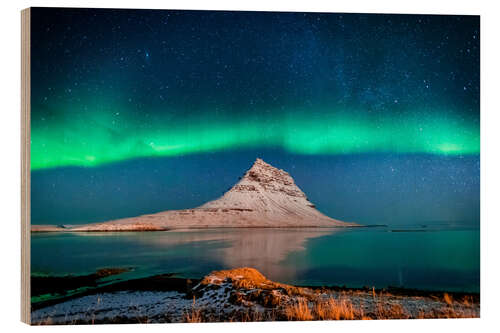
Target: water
(424,258)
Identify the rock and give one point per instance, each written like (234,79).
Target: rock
(264,197)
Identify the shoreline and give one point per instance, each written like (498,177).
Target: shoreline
(235,291)
(55,228)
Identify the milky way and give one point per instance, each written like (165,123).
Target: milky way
(110,87)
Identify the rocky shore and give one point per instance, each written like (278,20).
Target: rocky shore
(243,294)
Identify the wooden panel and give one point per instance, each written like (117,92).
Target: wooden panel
(25,165)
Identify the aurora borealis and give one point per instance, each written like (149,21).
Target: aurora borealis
(339,134)
(115,91)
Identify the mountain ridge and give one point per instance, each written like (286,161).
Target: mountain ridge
(265,196)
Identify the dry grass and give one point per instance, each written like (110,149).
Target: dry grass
(305,304)
(447,299)
(467,301)
(252,316)
(344,309)
(390,311)
(302,309)
(195,315)
(255,298)
(332,309)
(299,311)
(446,313)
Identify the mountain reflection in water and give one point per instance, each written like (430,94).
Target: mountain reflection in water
(263,249)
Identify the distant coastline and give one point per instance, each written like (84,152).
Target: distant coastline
(55,228)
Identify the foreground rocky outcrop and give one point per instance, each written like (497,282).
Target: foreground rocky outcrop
(244,294)
(264,197)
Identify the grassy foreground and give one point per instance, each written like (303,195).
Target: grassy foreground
(288,302)
(244,294)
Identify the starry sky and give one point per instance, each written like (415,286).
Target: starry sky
(137,111)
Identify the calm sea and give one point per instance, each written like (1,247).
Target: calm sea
(432,258)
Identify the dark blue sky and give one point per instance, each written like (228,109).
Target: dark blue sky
(136,111)
(367,188)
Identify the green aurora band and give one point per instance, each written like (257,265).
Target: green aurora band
(92,139)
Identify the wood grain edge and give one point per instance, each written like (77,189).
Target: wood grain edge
(25,165)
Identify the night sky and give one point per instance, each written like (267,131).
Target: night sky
(136,111)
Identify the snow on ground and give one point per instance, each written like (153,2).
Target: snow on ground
(106,306)
(135,306)
(231,294)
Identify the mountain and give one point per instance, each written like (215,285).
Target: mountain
(273,196)
(264,197)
